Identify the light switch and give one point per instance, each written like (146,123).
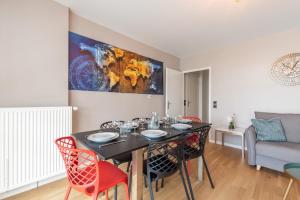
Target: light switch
(215,104)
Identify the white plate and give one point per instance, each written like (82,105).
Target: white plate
(103,136)
(154,133)
(185,121)
(181,126)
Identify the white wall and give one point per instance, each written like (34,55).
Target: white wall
(97,107)
(240,78)
(33,53)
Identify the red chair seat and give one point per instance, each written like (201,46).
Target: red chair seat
(110,175)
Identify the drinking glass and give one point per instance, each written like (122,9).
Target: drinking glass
(175,120)
(165,122)
(124,130)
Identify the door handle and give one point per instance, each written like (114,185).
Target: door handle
(168,105)
(188,103)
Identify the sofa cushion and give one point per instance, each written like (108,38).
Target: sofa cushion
(286,151)
(290,123)
(269,130)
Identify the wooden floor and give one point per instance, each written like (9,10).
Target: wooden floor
(233,178)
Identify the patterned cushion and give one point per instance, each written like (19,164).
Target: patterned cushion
(269,130)
(290,124)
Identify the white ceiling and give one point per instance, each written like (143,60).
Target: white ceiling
(186,27)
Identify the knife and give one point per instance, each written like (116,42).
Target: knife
(107,144)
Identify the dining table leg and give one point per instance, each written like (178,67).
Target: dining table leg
(200,169)
(137,175)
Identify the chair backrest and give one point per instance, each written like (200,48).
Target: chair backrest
(81,165)
(192,147)
(193,118)
(138,118)
(193,137)
(162,158)
(109,125)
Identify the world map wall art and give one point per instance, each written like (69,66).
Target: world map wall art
(96,66)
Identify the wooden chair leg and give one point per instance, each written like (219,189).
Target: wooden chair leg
(68,193)
(288,189)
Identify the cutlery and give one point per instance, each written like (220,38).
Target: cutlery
(107,144)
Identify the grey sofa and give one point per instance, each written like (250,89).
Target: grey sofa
(274,155)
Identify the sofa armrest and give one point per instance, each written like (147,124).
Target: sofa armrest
(250,135)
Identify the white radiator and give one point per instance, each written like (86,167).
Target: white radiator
(27,150)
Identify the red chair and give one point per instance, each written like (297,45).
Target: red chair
(193,138)
(193,118)
(85,173)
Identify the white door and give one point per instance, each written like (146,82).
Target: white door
(174,92)
(192,83)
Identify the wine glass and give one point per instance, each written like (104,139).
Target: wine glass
(142,121)
(135,125)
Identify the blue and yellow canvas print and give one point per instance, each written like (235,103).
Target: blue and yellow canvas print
(97,66)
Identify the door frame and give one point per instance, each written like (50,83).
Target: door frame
(209,86)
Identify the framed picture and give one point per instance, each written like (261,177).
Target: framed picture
(97,66)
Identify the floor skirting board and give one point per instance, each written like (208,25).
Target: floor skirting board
(227,144)
(31,186)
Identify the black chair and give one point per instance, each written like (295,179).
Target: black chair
(163,160)
(136,119)
(193,147)
(123,158)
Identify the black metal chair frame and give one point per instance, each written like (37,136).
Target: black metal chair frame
(163,160)
(136,119)
(192,149)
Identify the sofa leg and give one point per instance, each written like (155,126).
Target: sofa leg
(258,167)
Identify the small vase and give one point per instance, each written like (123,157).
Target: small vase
(231,125)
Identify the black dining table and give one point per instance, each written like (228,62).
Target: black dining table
(134,144)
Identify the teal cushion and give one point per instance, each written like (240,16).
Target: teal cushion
(269,130)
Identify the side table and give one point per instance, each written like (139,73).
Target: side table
(237,131)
